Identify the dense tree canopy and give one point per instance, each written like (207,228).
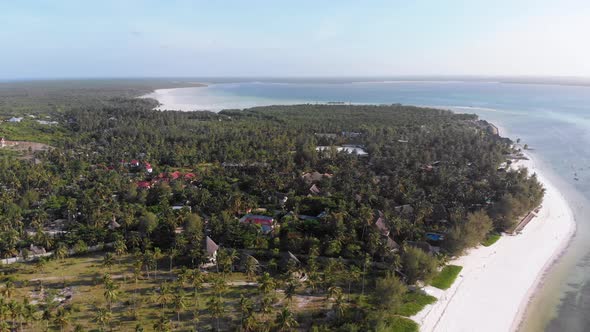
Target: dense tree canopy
(419,184)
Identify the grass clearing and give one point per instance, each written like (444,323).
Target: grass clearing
(491,239)
(399,324)
(30,130)
(414,302)
(446,277)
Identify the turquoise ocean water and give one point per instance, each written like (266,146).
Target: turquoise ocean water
(552,119)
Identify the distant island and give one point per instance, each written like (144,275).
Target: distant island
(304,217)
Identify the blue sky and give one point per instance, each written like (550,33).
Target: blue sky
(119,38)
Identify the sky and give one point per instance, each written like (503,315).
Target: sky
(173,38)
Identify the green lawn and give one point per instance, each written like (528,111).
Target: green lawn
(398,324)
(491,239)
(414,302)
(446,277)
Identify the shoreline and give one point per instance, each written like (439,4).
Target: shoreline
(478,290)
(468,298)
(518,321)
(162,97)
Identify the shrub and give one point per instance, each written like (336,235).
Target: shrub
(418,265)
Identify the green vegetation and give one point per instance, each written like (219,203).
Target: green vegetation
(398,324)
(470,233)
(414,302)
(30,130)
(445,278)
(342,237)
(418,265)
(491,239)
(57,96)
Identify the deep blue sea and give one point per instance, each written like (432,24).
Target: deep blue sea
(554,120)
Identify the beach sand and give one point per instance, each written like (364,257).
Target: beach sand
(168,101)
(497,282)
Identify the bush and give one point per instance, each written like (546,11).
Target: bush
(389,292)
(418,265)
(469,233)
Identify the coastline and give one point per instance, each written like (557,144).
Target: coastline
(520,322)
(167,102)
(522,262)
(560,251)
(497,282)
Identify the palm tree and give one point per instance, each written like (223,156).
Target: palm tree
(313,280)
(179,304)
(285,320)
(162,324)
(148,261)
(47,316)
(43,239)
(157,256)
(108,261)
(232,256)
(250,324)
(29,311)
(339,305)
(120,248)
(14,311)
(353,275)
(136,274)
(266,283)
(8,290)
(266,305)
(4,326)
(366,267)
(290,292)
(40,263)
(165,296)
(245,308)
(18,313)
(196,319)
(62,318)
(366,214)
(334,292)
(219,285)
(111,291)
(172,252)
(3,310)
(103,317)
(61,252)
(215,307)
(251,267)
(196,279)
(183,276)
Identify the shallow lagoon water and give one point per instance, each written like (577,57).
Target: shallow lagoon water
(554,120)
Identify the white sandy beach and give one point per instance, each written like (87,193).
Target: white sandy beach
(168,101)
(203,99)
(497,282)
